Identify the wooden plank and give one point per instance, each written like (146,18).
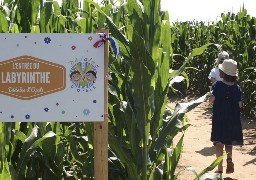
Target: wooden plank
(101,129)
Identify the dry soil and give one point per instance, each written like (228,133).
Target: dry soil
(199,152)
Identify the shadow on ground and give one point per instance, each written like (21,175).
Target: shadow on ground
(207,151)
(250,162)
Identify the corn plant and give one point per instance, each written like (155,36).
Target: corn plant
(234,33)
(139,137)
(141,129)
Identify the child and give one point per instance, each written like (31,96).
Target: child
(75,76)
(214,75)
(226,124)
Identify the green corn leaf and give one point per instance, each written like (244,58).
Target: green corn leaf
(82,24)
(175,120)
(136,6)
(15,28)
(56,7)
(34,11)
(124,157)
(40,140)
(73,149)
(28,147)
(5,174)
(13,173)
(198,51)
(176,156)
(3,23)
(60,153)
(212,166)
(21,166)
(20,135)
(45,17)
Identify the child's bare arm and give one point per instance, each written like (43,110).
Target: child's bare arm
(213,80)
(240,104)
(211,99)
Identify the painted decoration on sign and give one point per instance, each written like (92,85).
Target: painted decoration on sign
(51,77)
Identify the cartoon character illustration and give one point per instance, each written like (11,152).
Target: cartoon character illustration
(90,76)
(75,76)
(83,75)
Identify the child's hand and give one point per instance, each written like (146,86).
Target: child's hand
(213,80)
(240,104)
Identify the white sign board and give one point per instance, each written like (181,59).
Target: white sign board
(51,77)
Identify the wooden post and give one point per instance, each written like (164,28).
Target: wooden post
(101,129)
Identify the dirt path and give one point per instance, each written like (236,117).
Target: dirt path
(199,152)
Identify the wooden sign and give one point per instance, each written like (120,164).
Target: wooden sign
(51,77)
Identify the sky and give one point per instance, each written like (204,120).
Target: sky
(205,10)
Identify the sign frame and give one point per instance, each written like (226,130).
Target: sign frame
(101,128)
(100,137)
(37,83)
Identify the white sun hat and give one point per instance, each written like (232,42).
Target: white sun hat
(229,67)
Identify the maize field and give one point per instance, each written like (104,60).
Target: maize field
(141,125)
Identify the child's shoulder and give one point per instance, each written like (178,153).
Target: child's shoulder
(215,69)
